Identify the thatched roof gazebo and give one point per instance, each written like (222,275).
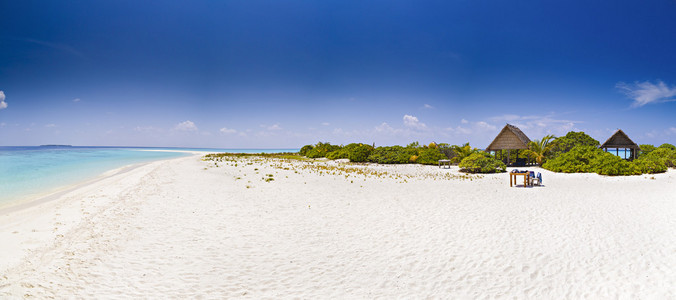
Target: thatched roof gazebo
(509,138)
(620,140)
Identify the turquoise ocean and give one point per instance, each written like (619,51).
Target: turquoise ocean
(26,172)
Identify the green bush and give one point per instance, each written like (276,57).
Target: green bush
(338,154)
(587,159)
(391,155)
(577,160)
(668,146)
(608,164)
(571,140)
(646,149)
(430,156)
(355,152)
(481,163)
(321,150)
(359,152)
(664,155)
(651,164)
(305,149)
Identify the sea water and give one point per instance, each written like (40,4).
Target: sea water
(26,172)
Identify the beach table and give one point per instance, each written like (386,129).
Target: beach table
(526,178)
(445,162)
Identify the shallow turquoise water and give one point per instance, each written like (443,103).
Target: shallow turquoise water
(26,172)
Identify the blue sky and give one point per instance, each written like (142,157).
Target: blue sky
(245,74)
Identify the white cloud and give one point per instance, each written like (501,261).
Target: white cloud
(485,126)
(274,127)
(647,92)
(384,127)
(412,122)
(463,121)
(50,125)
(326,124)
(671,130)
(427,106)
(76,100)
(538,125)
(3,104)
(186,126)
(227,130)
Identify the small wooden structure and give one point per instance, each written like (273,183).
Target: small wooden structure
(446,163)
(620,140)
(509,138)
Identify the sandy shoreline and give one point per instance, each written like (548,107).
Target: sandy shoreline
(188,228)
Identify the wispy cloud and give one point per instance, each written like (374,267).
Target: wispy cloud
(186,126)
(226,130)
(274,127)
(413,122)
(427,106)
(57,46)
(537,124)
(326,124)
(50,125)
(3,104)
(647,92)
(76,100)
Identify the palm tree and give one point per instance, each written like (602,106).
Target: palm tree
(540,148)
(462,151)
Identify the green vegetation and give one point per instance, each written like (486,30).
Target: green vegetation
(303,151)
(429,156)
(321,150)
(646,149)
(590,159)
(576,152)
(577,160)
(355,152)
(413,153)
(481,162)
(668,146)
(569,141)
(608,164)
(539,149)
(461,152)
(392,155)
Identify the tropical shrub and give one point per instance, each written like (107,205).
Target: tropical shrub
(481,162)
(391,155)
(305,149)
(461,152)
(651,164)
(646,149)
(668,146)
(321,150)
(358,152)
(539,149)
(605,163)
(338,154)
(577,160)
(430,156)
(668,157)
(570,140)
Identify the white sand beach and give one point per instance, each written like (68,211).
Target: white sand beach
(187,228)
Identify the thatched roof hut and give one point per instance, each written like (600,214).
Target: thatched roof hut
(510,138)
(620,140)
